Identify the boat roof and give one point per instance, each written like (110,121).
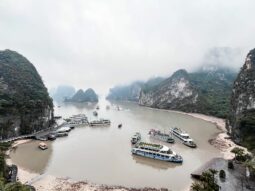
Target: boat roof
(144,144)
(184,134)
(164,148)
(42,144)
(64,128)
(180,131)
(188,140)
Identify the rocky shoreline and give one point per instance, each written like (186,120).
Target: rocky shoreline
(45,182)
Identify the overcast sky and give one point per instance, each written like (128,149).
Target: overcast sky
(93,43)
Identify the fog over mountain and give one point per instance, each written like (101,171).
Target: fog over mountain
(99,44)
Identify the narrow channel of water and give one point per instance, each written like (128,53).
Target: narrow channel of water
(103,154)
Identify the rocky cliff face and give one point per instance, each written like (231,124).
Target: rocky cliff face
(241,120)
(206,91)
(62,92)
(132,91)
(25,106)
(175,92)
(126,93)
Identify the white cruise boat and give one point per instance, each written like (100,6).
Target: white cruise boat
(156,151)
(183,136)
(157,134)
(101,122)
(77,120)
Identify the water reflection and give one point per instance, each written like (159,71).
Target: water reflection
(30,157)
(156,164)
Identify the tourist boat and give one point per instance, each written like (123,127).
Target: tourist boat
(136,138)
(95,113)
(77,120)
(72,127)
(63,130)
(182,135)
(62,134)
(51,136)
(41,138)
(156,151)
(101,122)
(43,146)
(157,134)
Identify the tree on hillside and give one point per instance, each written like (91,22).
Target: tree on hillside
(238,152)
(207,182)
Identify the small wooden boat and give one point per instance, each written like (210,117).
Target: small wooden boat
(62,134)
(51,137)
(43,146)
(136,138)
(95,113)
(63,129)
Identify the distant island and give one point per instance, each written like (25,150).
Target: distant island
(62,92)
(80,96)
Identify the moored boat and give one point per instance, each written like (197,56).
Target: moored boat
(62,134)
(183,136)
(101,122)
(157,134)
(63,129)
(95,113)
(156,151)
(77,120)
(43,146)
(51,136)
(136,138)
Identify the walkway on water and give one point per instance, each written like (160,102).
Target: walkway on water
(33,135)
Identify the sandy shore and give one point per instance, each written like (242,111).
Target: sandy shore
(46,182)
(222,141)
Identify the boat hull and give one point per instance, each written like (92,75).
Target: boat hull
(147,155)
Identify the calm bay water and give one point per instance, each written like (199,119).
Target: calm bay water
(103,154)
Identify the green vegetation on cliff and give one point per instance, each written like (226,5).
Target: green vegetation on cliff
(206,91)
(241,119)
(24,100)
(214,90)
(132,91)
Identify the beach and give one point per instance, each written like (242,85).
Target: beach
(222,141)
